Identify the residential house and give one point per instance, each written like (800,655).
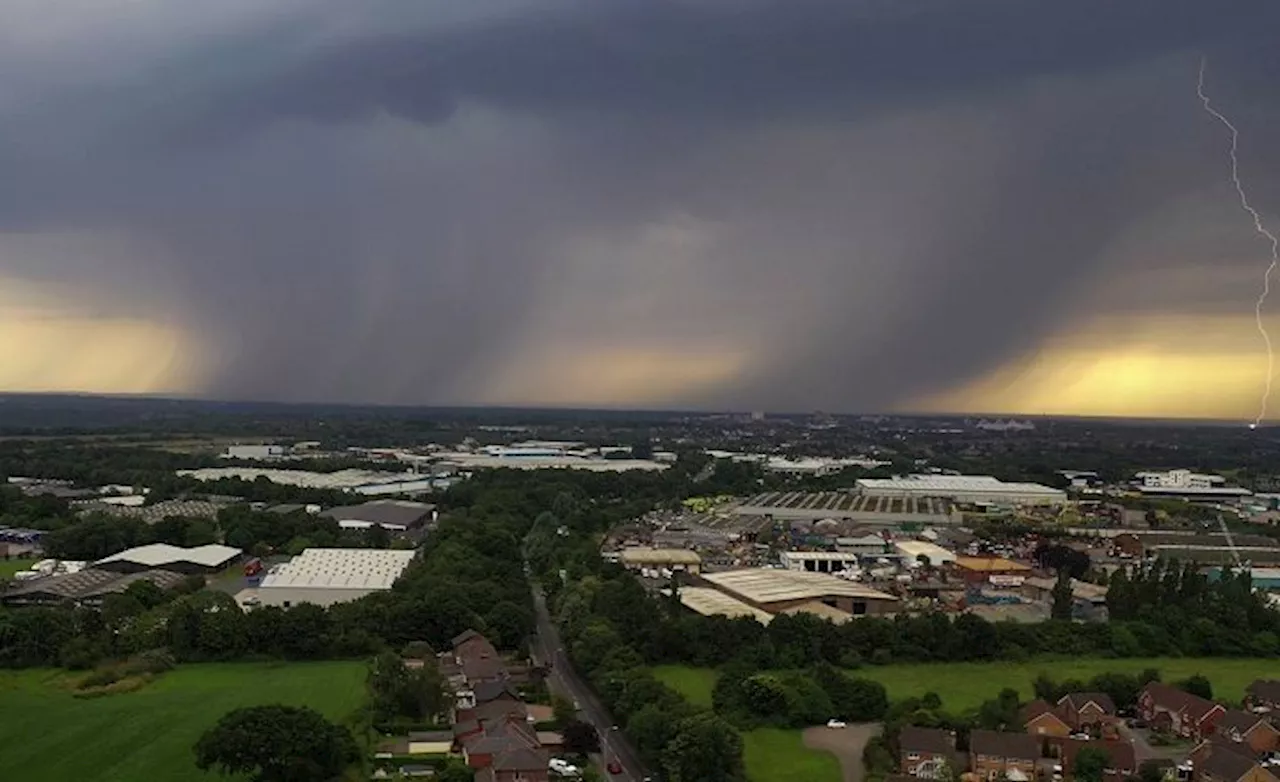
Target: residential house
(1249,729)
(1041,718)
(492,727)
(1089,712)
(925,753)
(1168,708)
(1122,758)
(478,658)
(1263,694)
(994,754)
(494,710)
(517,765)
(483,742)
(1220,760)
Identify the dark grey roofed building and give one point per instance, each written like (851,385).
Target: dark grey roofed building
(389,513)
(88,585)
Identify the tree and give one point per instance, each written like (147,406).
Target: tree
(1151,771)
(705,749)
(455,770)
(276,744)
(376,536)
(1063,600)
(1197,685)
(1090,764)
(580,738)
(563,710)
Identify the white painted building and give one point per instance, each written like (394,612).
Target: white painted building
(819,561)
(1186,483)
(912,550)
(963,488)
(1180,479)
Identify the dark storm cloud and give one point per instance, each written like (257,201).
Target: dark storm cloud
(748,59)
(333,251)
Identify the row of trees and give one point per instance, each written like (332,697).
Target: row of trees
(689,744)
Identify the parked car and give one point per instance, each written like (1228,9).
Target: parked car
(835,724)
(614,767)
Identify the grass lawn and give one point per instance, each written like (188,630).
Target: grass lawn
(773,755)
(966,685)
(45,734)
(10,566)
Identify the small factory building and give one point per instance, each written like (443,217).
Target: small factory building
(199,560)
(775,591)
(638,558)
(819,561)
(991,570)
(393,515)
(911,552)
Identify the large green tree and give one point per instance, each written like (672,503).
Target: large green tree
(276,744)
(1090,763)
(705,749)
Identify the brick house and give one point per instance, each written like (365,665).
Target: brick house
(1041,718)
(1089,712)
(1263,694)
(517,765)
(993,754)
(1250,730)
(484,744)
(1220,760)
(924,752)
(492,728)
(1178,712)
(1122,758)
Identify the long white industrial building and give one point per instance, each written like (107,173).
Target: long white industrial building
(963,488)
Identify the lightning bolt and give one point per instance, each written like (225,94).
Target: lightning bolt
(1257,226)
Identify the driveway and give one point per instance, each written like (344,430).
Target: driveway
(845,743)
(1144,750)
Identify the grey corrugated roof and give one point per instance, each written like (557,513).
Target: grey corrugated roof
(91,582)
(398,512)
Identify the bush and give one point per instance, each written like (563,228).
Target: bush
(131,684)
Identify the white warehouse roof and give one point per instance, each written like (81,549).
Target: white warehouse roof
(763,585)
(157,555)
(340,568)
(710,602)
(958,486)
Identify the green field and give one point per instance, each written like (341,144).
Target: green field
(46,734)
(773,755)
(967,685)
(10,566)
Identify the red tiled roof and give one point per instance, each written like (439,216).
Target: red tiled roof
(1173,699)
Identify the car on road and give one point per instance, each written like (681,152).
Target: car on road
(835,724)
(614,767)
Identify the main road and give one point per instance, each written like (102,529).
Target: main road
(563,680)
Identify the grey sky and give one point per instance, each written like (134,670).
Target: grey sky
(436,201)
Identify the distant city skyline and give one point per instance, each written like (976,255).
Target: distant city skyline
(983,208)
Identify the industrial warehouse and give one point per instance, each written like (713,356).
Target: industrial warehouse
(325,576)
(202,560)
(774,591)
(963,488)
